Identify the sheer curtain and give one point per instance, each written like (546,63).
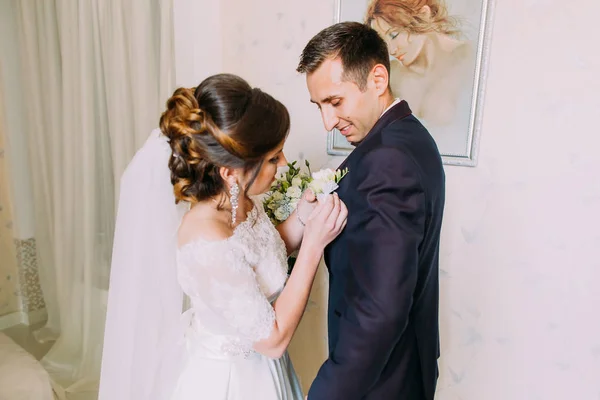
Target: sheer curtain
(98,73)
(9,303)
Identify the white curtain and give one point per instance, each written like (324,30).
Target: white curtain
(97,75)
(9,302)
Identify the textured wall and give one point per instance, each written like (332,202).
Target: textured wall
(520,258)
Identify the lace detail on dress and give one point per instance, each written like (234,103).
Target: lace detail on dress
(267,251)
(230,282)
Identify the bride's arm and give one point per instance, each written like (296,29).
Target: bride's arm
(324,226)
(292,229)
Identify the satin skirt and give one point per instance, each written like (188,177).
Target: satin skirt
(208,374)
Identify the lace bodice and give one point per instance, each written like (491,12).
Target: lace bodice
(231,283)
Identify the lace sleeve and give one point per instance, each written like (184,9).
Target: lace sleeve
(218,275)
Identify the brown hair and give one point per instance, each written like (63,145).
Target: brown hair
(222,123)
(407,15)
(359,47)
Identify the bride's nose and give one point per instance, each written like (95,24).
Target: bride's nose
(282,160)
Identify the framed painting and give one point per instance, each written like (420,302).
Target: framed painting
(438,55)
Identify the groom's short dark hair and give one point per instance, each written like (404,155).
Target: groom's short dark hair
(359,47)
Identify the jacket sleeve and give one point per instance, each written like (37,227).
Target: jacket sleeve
(383,243)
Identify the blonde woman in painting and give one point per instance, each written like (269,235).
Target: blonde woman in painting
(431,67)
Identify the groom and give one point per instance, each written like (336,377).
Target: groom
(383,269)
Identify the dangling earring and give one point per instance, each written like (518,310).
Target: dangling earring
(234,193)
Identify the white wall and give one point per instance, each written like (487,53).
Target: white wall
(198,44)
(520,243)
(520,259)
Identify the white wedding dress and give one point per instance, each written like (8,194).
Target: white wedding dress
(231,285)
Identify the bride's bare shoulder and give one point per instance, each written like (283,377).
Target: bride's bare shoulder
(203,223)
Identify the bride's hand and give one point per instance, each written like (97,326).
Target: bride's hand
(325,223)
(306,205)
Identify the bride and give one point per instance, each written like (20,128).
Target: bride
(188,222)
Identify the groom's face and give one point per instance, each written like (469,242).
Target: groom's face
(342,104)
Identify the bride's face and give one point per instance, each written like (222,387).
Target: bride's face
(266,175)
(401,45)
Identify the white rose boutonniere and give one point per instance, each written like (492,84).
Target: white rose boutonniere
(285,193)
(326,181)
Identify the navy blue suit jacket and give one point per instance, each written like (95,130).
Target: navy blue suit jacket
(383,268)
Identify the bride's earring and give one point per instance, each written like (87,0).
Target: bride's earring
(234,193)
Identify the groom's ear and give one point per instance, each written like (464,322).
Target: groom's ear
(380,79)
